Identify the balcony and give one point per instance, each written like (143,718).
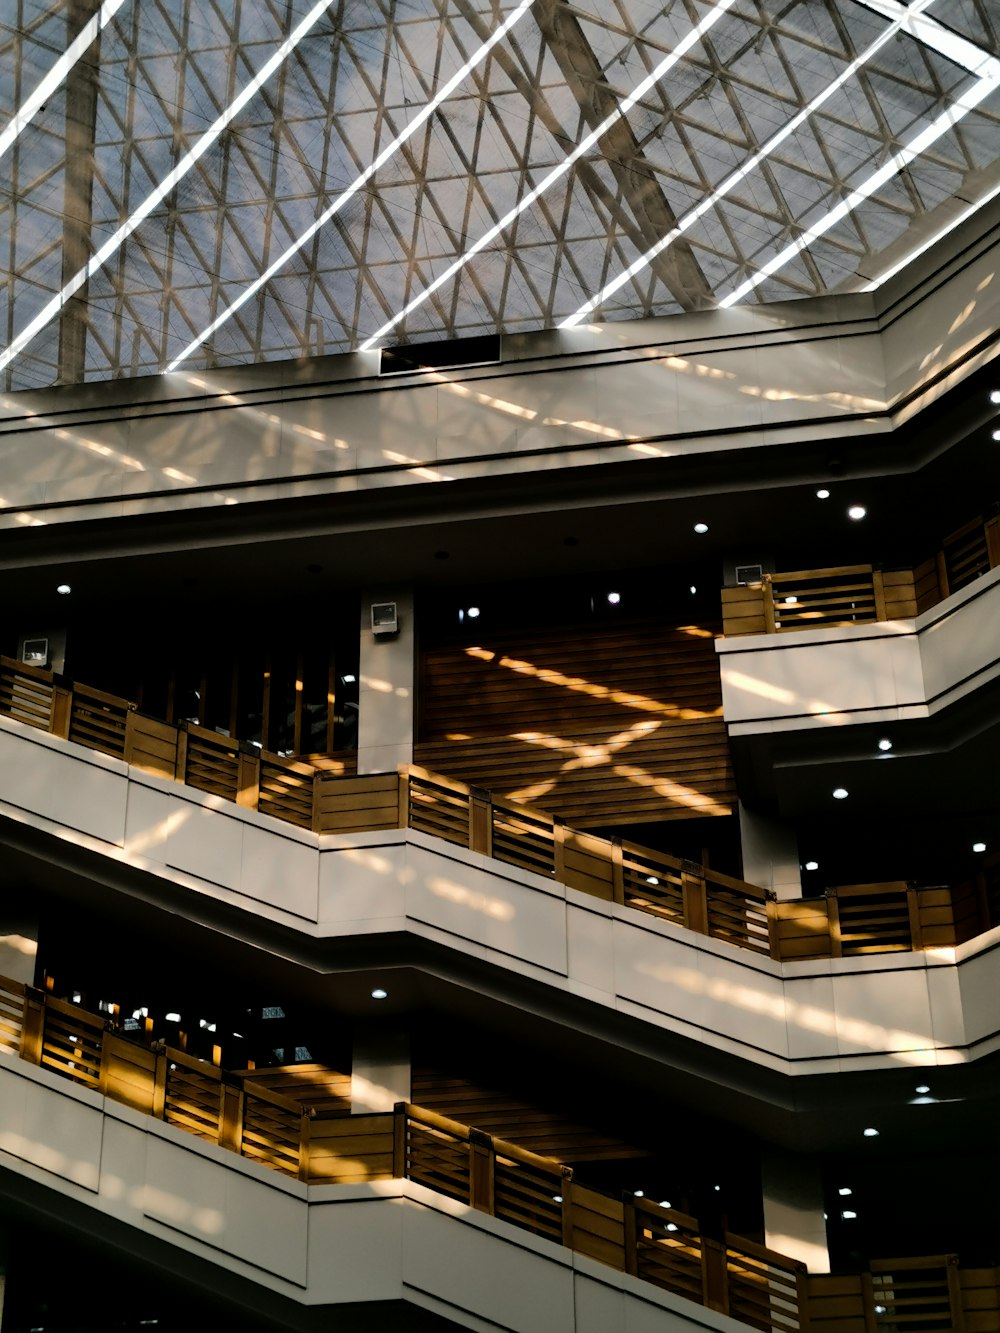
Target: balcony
(872,670)
(103,1112)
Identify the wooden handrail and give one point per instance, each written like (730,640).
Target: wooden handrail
(307,794)
(736,1276)
(859,594)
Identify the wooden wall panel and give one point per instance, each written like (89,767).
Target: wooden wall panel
(595,725)
(544,1131)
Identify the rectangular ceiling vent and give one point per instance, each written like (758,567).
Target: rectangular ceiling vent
(749,574)
(446,354)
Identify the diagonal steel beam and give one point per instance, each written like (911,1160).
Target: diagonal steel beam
(78,189)
(677,268)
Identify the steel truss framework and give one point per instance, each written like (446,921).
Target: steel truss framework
(160,72)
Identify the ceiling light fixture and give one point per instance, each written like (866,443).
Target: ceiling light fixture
(349,680)
(169,182)
(856,512)
(995,395)
(614,598)
(63,589)
(845,1191)
(848,1215)
(979,846)
(922,1089)
(665,1203)
(840,793)
(885,744)
(558,171)
(692,590)
(871,1132)
(701,528)
(379,994)
(689,219)
(996,434)
(822,493)
(77,48)
(812,865)
(473,612)
(387,152)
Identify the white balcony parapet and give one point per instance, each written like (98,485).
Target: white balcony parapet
(875,1012)
(837,676)
(314,1245)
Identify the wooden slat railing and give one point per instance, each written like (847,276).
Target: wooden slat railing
(98,720)
(11,1015)
(852,920)
(755,1285)
(861,594)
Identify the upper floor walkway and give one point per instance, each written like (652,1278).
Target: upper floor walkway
(158,839)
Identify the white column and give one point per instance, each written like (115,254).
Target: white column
(386,686)
(4,1246)
(18,946)
(793,1208)
(770,854)
(380,1068)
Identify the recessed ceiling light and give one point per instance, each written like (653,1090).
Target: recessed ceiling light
(639,1194)
(840,793)
(671,1226)
(871,1133)
(692,590)
(64,589)
(885,743)
(348,680)
(557,1198)
(472,612)
(172,1018)
(379,994)
(847,1215)
(665,1203)
(701,527)
(857,511)
(614,598)
(995,396)
(812,865)
(844,1191)
(791,601)
(922,1088)
(996,434)
(979,846)
(822,493)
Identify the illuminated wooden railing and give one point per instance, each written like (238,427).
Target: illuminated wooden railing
(764,1289)
(320,796)
(861,594)
(237,1110)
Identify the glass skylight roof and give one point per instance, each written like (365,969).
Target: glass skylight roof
(198,182)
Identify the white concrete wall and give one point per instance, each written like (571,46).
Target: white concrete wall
(915,1009)
(887,672)
(387,685)
(746,378)
(317,1245)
